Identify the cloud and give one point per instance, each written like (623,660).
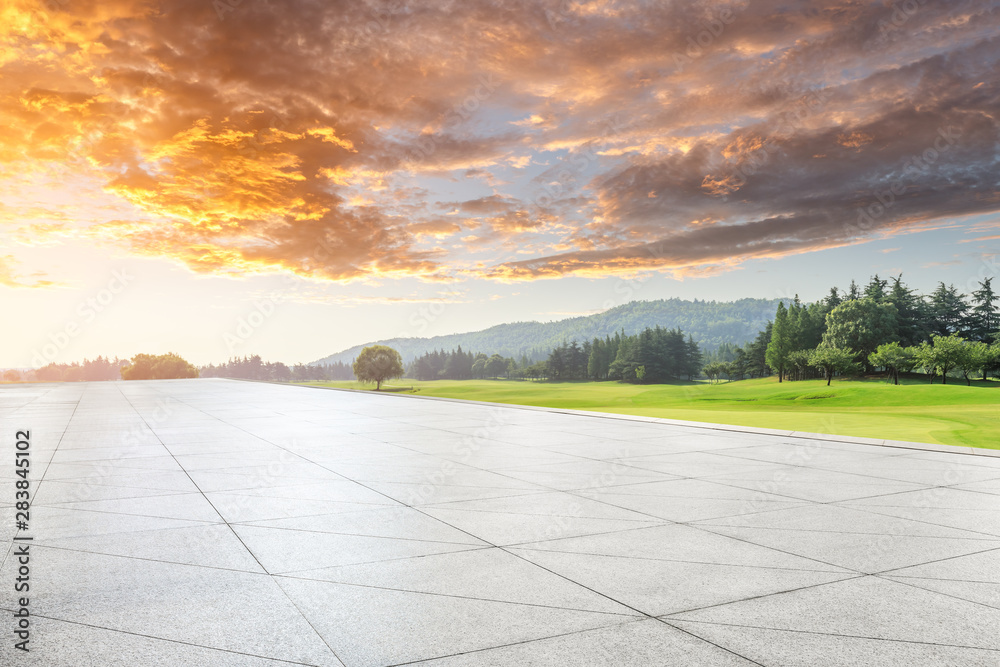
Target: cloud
(320,138)
(10,278)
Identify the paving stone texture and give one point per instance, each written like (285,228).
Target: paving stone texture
(218,522)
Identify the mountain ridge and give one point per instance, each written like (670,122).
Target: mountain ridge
(710,323)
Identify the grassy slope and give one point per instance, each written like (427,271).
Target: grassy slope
(952,414)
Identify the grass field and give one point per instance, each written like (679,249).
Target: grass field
(952,414)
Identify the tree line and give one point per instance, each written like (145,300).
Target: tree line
(885,326)
(100,368)
(255,368)
(653,355)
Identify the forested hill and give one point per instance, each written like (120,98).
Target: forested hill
(711,323)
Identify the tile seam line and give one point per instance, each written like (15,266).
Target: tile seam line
(708,426)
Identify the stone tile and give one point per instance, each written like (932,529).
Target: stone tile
(57,522)
(371,626)
(429,493)
(397,522)
(636,644)
(501,528)
(546,504)
(842,519)
(863,552)
(484,574)
(281,550)
(220,609)
(982,566)
(191,506)
(54,492)
(65,644)
(870,607)
(974,591)
(659,587)
(678,542)
(238,507)
(213,545)
(813,649)
(680,509)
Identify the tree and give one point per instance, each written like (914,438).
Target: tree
(10,375)
(941,356)
(975,356)
(893,359)
(984,320)
(713,370)
(861,325)
(911,313)
(798,364)
(781,343)
(378,363)
(833,299)
(158,367)
(832,360)
(947,311)
(875,290)
(495,365)
(479,368)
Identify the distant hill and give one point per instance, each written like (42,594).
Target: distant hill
(711,323)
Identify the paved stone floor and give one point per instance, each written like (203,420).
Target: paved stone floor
(214,522)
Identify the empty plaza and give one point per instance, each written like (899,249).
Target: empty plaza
(219,522)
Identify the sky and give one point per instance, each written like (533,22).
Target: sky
(227,177)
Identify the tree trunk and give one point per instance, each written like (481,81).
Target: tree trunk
(944,377)
(378,385)
(895,377)
(829,377)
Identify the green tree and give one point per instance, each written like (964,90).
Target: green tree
(875,290)
(831,360)
(798,364)
(975,356)
(833,299)
(941,356)
(984,320)
(911,311)
(860,325)
(378,363)
(781,343)
(712,371)
(479,368)
(495,365)
(948,310)
(158,367)
(893,359)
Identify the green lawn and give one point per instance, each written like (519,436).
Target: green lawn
(952,414)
